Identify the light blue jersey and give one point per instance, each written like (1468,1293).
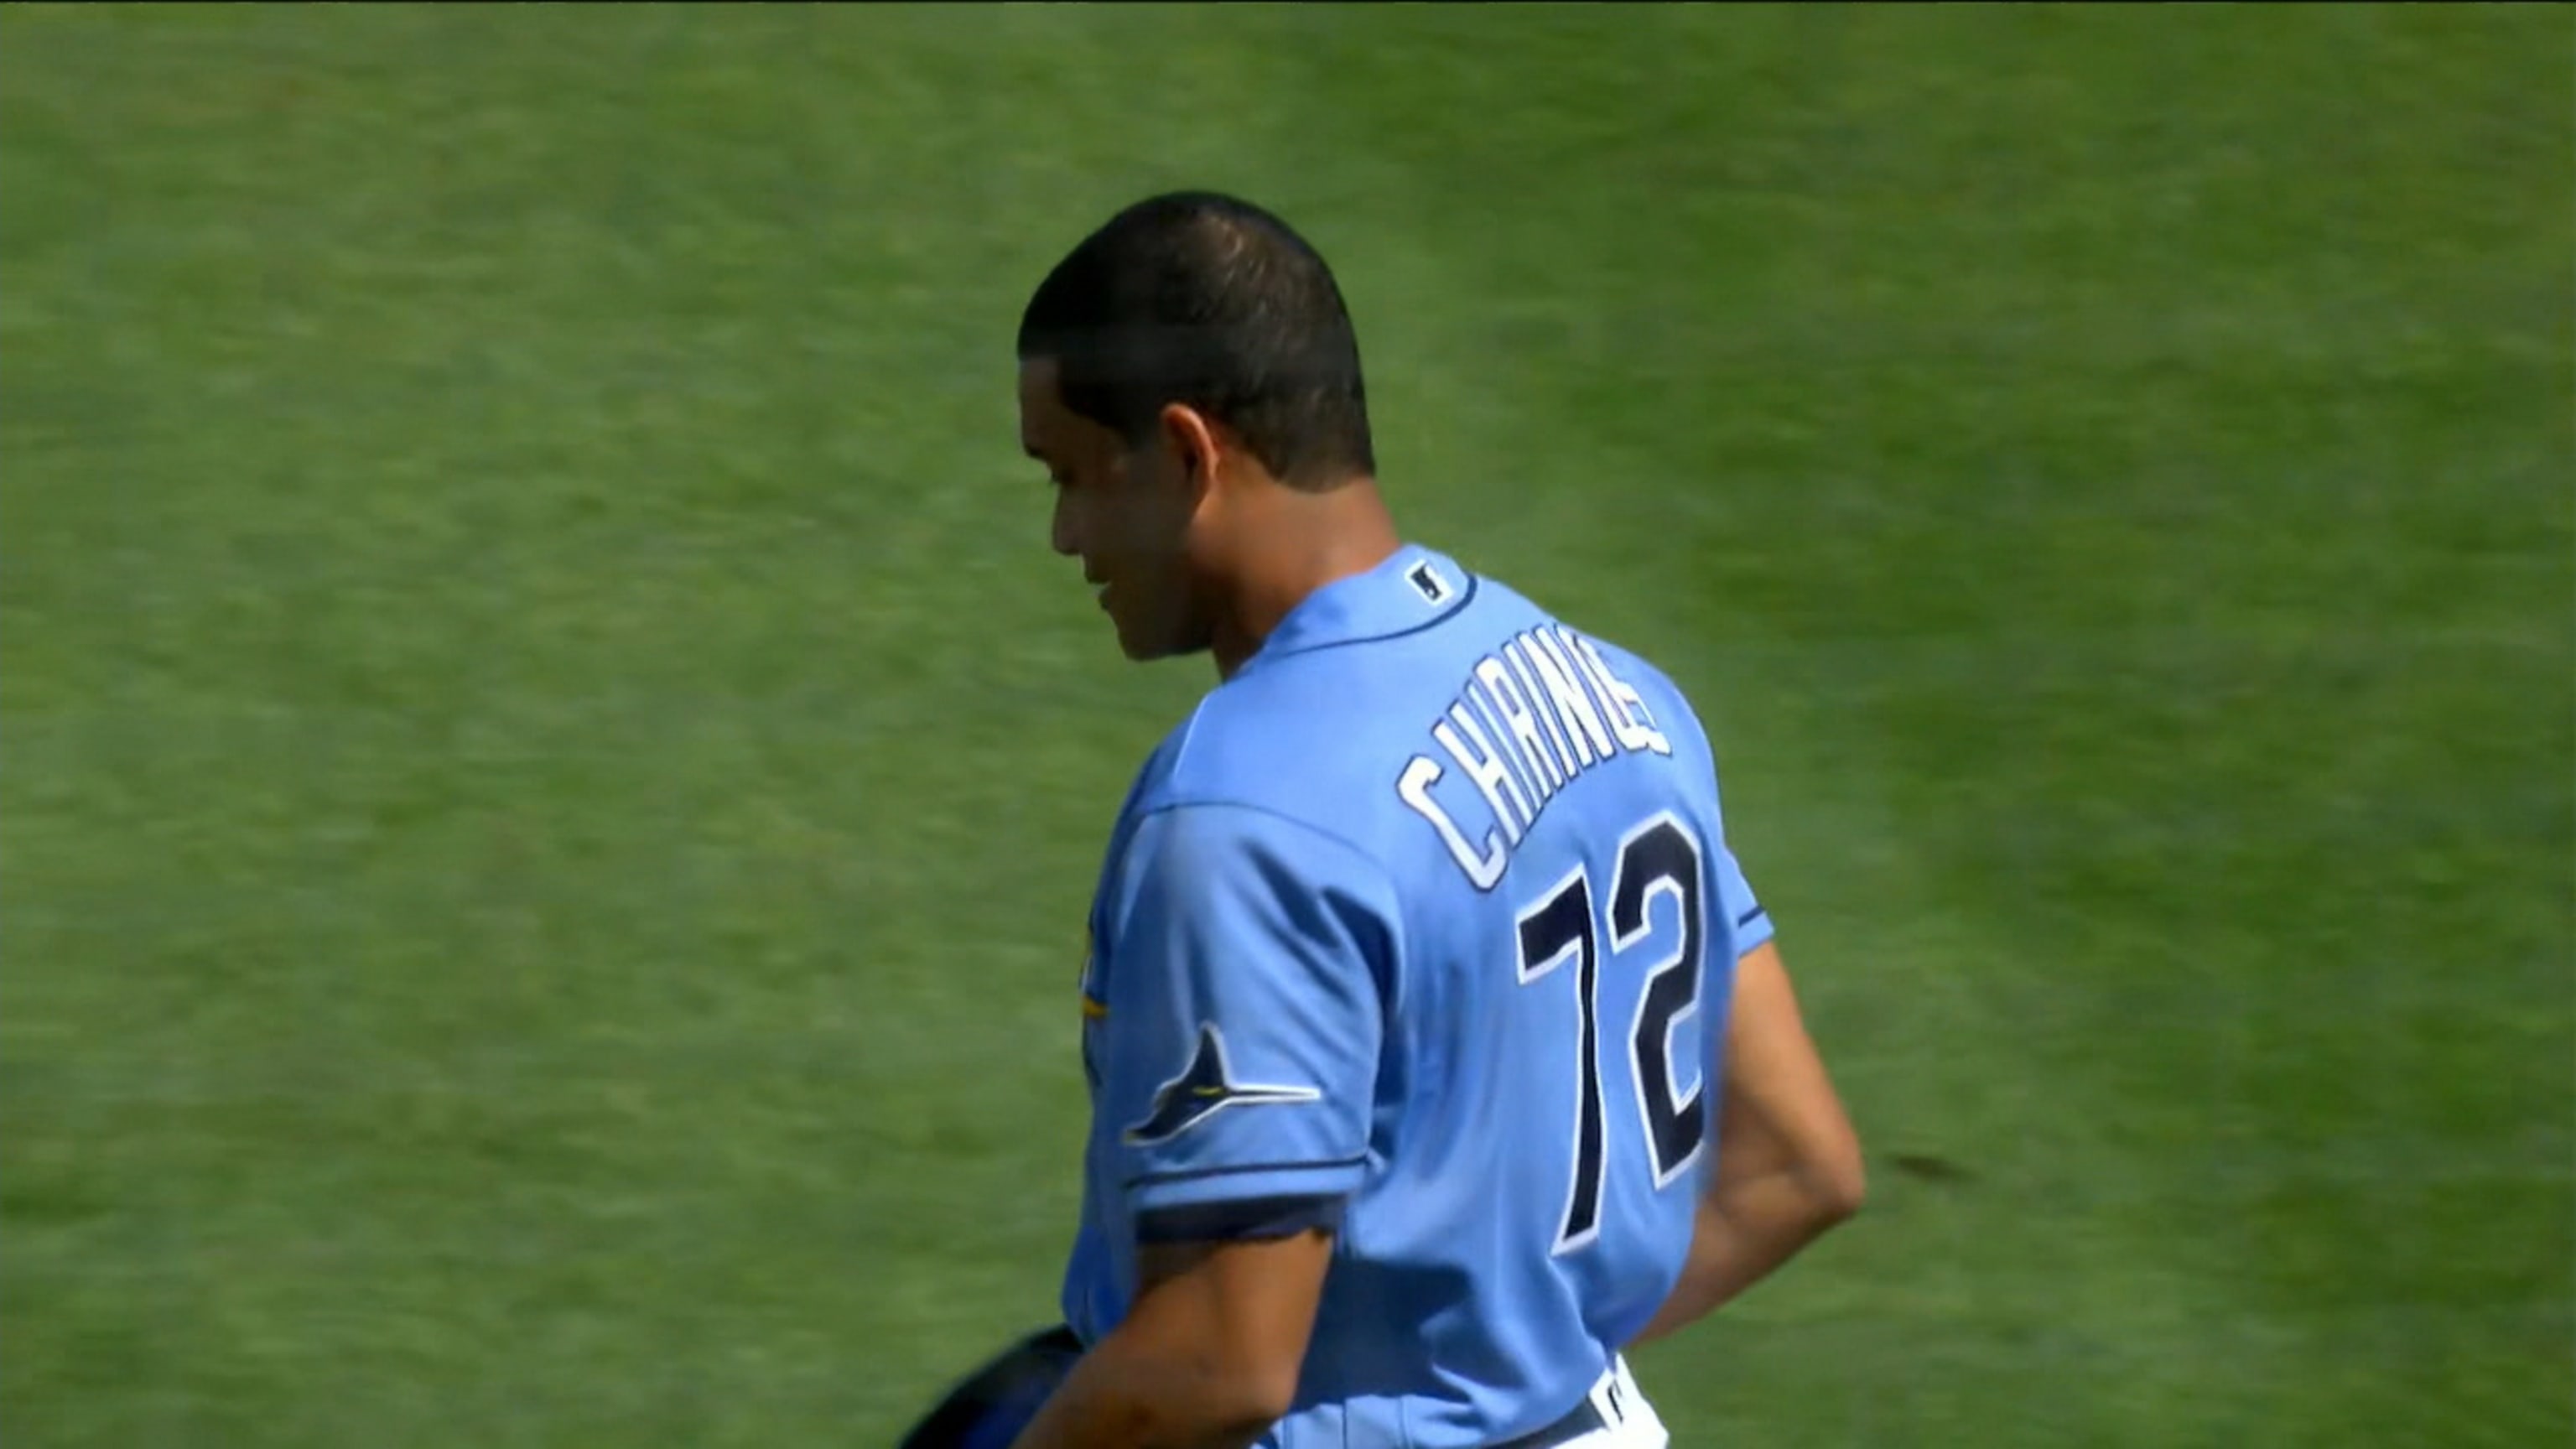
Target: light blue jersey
(1422,927)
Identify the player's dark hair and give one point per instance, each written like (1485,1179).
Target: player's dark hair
(1209,301)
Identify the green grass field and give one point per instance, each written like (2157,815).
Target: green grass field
(552,780)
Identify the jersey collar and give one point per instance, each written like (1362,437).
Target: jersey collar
(1413,589)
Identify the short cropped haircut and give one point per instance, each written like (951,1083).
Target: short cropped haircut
(1209,301)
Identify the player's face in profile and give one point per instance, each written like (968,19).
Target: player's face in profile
(1124,512)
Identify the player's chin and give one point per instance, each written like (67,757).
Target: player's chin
(1141,646)
(1137,653)
(1148,651)
(1146,640)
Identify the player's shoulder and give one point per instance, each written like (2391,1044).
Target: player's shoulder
(1265,746)
(1602,661)
(1662,694)
(1300,728)
(1205,810)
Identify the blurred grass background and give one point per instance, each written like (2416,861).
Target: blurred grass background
(553,781)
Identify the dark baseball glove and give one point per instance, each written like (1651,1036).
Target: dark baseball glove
(989,1407)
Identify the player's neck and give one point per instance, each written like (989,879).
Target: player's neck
(1307,541)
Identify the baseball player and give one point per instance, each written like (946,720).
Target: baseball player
(1437,1049)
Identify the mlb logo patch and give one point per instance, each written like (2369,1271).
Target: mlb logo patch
(1424,577)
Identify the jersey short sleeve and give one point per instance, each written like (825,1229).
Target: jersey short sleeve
(1245,971)
(1746,924)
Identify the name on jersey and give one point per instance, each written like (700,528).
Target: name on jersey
(1528,720)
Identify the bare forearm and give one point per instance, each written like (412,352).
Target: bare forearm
(1745,1231)
(1117,1398)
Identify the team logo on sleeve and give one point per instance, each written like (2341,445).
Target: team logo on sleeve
(1205,1087)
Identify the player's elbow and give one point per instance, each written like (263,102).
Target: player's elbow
(1205,1399)
(1836,1183)
(1238,1396)
(1267,1398)
(1242,1405)
(1250,1399)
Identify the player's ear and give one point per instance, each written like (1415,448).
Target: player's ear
(1194,445)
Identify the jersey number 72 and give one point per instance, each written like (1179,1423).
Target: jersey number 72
(1659,856)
